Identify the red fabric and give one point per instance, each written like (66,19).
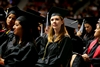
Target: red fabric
(91,45)
(97,52)
(2,30)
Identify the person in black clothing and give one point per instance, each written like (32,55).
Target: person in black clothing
(56,47)
(90,26)
(20,51)
(2,21)
(12,14)
(77,42)
(92,52)
(35,27)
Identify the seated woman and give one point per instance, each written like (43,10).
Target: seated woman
(12,14)
(56,47)
(91,55)
(21,51)
(89,26)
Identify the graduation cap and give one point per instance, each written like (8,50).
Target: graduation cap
(91,20)
(58,11)
(13,10)
(42,20)
(30,21)
(31,18)
(71,23)
(80,20)
(55,11)
(2,14)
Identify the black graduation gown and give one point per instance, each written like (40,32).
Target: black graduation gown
(94,54)
(41,41)
(88,37)
(6,36)
(18,56)
(55,54)
(77,44)
(3,37)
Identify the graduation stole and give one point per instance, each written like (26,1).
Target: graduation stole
(45,51)
(92,45)
(7,31)
(96,48)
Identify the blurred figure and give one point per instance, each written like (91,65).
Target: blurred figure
(90,26)
(2,17)
(11,16)
(92,53)
(77,42)
(2,24)
(37,22)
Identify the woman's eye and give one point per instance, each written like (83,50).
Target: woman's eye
(52,19)
(16,24)
(57,19)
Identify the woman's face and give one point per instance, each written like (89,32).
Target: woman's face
(56,22)
(17,28)
(88,27)
(11,20)
(97,31)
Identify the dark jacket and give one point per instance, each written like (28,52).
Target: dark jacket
(55,54)
(94,53)
(6,36)
(19,56)
(77,44)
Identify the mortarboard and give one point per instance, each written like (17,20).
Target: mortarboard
(58,11)
(91,20)
(13,10)
(42,20)
(71,23)
(2,14)
(30,17)
(55,11)
(80,20)
(29,20)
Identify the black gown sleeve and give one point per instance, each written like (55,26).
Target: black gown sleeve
(22,57)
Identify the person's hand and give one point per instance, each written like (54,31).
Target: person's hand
(1,61)
(86,57)
(79,33)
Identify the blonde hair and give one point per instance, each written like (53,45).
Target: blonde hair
(63,32)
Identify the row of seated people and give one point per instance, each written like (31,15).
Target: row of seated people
(21,48)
